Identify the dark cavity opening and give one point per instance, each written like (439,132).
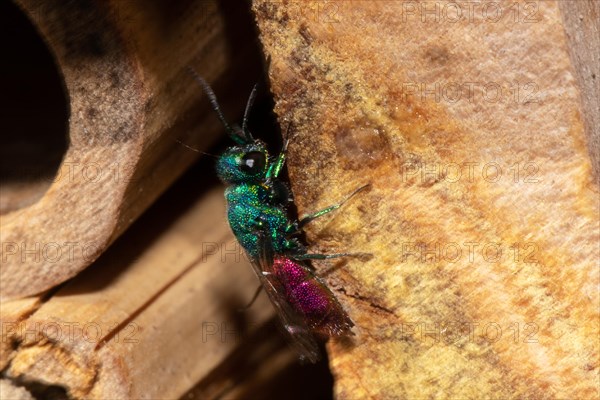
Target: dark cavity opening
(34,112)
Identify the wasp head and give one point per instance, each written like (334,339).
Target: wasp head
(244,164)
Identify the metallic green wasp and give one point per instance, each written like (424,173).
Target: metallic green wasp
(257,210)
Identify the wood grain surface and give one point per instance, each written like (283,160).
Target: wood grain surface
(154,316)
(482,220)
(474,123)
(131,97)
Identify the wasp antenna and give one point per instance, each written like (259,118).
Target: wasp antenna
(215,105)
(251,99)
(196,150)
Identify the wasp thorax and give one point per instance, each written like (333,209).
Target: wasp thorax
(243,164)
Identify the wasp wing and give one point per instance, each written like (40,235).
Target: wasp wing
(300,334)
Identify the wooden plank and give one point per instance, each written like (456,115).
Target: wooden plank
(582,26)
(10,391)
(131,98)
(152,317)
(11,315)
(482,220)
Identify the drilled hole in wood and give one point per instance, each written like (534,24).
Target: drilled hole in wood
(34,116)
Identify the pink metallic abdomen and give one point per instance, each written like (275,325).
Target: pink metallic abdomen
(311,298)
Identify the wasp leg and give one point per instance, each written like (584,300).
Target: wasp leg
(277,166)
(292,228)
(317,256)
(323,256)
(309,217)
(254,297)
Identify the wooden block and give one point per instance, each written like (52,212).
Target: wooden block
(124,65)
(153,317)
(10,391)
(482,220)
(11,315)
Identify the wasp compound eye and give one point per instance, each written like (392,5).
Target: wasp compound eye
(253,162)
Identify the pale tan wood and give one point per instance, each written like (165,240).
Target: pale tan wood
(9,391)
(371,91)
(11,316)
(130,99)
(151,318)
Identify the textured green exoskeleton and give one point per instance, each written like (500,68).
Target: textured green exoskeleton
(255,203)
(256,199)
